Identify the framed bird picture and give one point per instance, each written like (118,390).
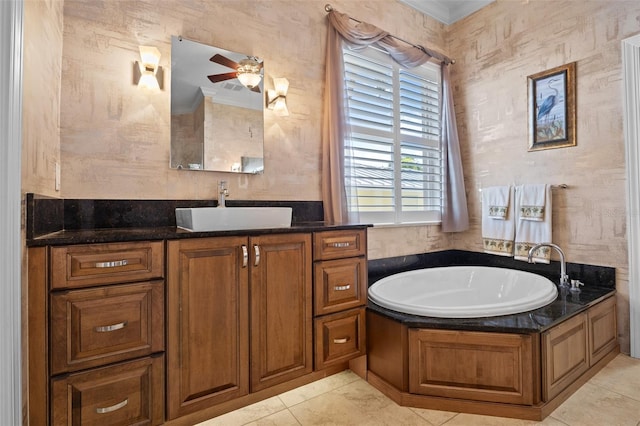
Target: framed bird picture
(552,108)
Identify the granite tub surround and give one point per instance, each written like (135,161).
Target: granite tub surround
(600,276)
(599,283)
(538,320)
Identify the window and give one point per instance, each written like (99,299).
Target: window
(393,161)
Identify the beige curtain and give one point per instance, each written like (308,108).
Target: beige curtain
(455,216)
(343,29)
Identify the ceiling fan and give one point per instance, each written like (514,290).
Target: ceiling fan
(247,71)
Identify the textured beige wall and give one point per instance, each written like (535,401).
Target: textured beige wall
(41,95)
(115,138)
(497,48)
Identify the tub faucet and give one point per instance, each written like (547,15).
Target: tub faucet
(564,278)
(223,192)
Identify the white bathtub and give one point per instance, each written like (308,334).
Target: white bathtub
(463,292)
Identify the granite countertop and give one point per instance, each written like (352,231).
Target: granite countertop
(566,305)
(111,235)
(53,221)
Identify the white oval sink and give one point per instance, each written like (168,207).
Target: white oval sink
(203,219)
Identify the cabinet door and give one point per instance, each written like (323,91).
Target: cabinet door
(207,342)
(565,355)
(494,367)
(603,330)
(281,327)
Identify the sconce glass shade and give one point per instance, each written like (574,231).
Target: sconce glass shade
(277,97)
(148,80)
(149,56)
(148,72)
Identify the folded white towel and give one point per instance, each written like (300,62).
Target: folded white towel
(498,235)
(531,231)
(532,204)
(496,200)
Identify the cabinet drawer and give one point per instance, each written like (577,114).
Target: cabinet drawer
(95,326)
(338,244)
(339,284)
(96,264)
(124,394)
(339,337)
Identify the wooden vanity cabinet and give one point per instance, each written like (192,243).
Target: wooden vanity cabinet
(97,312)
(239,315)
(340,294)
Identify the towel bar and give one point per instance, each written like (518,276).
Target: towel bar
(559,186)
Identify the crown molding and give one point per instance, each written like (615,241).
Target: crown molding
(447,11)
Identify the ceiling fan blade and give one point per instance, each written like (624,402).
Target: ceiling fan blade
(217,78)
(219,59)
(255,89)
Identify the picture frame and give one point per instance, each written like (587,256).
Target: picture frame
(552,108)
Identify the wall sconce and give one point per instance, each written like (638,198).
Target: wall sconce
(147,73)
(277,97)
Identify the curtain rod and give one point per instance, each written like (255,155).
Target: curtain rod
(328,8)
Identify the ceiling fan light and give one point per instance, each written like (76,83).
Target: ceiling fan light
(249,79)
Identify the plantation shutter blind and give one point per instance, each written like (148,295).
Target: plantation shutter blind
(393,162)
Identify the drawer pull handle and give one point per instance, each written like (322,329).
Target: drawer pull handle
(340,245)
(112,327)
(342,287)
(115,407)
(113,264)
(341,340)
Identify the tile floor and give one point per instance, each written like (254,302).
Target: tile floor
(612,397)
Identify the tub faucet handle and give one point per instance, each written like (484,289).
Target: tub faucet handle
(575,285)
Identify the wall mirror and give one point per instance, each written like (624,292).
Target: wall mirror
(217,122)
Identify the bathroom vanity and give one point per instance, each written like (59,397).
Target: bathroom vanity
(160,325)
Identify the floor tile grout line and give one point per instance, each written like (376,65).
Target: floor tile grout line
(557,419)
(614,391)
(320,394)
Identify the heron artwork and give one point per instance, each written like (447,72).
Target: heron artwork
(550,117)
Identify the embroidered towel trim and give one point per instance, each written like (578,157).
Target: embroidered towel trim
(498,220)
(532,202)
(531,232)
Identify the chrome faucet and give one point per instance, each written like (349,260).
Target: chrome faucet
(223,192)
(564,278)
